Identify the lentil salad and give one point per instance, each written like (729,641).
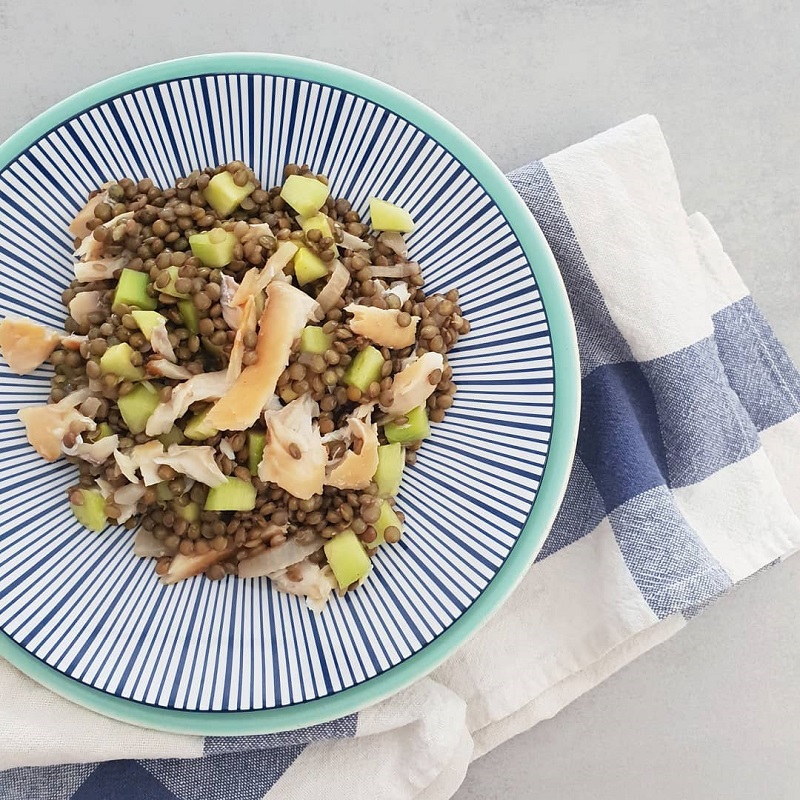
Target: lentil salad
(243,375)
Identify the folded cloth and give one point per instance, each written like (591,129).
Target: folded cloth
(685,482)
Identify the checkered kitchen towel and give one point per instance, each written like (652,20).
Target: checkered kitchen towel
(686,482)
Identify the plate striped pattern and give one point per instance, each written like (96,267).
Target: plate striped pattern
(81,602)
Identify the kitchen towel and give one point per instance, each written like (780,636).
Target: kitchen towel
(685,482)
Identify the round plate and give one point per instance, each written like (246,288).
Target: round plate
(81,614)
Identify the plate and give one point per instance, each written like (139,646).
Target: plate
(83,616)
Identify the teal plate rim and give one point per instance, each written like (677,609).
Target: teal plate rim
(566,409)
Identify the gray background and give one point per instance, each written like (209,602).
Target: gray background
(714,712)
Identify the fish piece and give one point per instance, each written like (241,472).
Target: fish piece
(78,226)
(25,344)
(83,304)
(143,456)
(183,567)
(47,425)
(196,461)
(231,313)
(94,452)
(160,367)
(380,325)
(159,338)
(206,386)
(308,580)
(294,456)
(127,466)
(412,387)
(255,281)
(127,498)
(355,470)
(277,558)
(285,314)
(91,249)
(102,269)
(247,325)
(145,545)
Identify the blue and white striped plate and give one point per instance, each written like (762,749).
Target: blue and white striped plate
(80,613)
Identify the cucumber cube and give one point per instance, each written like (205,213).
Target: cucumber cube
(387,519)
(347,558)
(364,369)
(197,429)
(147,320)
(170,287)
(188,313)
(389,217)
(92,512)
(305,195)
(223,195)
(214,350)
(190,512)
(314,340)
(117,361)
(391,462)
(173,436)
(321,223)
(214,248)
(235,495)
(132,291)
(137,406)
(413,430)
(308,266)
(100,432)
(256,440)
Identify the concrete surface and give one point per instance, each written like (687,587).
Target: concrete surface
(713,713)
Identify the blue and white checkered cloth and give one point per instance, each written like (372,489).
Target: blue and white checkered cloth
(685,482)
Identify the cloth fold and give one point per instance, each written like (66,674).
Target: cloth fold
(685,482)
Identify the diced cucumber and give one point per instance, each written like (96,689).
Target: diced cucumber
(389,217)
(214,350)
(132,291)
(92,512)
(314,340)
(147,321)
(287,394)
(347,558)
(364,369)
(117,361)
(415,429)
(173,436)
(308,266)
(198,429)
(235,495)
(223,195)
(387,519)
(391,462)
(319,222)
(189,316)
(214,248)
(305,195)
(100,432)
(170,287)
(255,449)
(137,406)
(190,512)
(162,492)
